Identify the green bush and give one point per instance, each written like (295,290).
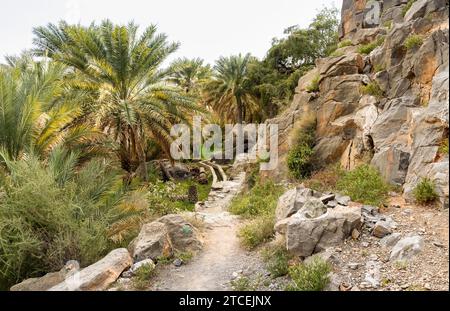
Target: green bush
(314,85)
(277,259)
(313,276)
(425,192)
(46,220)
(345,43)
(372,89)
(443,148)
(413,41)
(300,157)
(260,200)
(364,184)
(369,47)
(407,7)
(142,276)
(257,231)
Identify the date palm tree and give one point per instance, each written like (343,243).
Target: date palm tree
(229,91)
(121,70)
(35,115)
(189,74)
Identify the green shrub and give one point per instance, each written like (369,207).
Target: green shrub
(369,47)
(344,43)
(387,24)
(300,157)
(277,259)
(260,200)
(379,68)
(257,231)
(372,89)
(325,179)
(313,276)
(314,85)
(364,184)
(443,148)
(46,220)
(413,41)
(425,192)
(142,276)
(407,7)
(337,53)
(244,284)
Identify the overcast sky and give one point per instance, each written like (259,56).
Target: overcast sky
(205,28)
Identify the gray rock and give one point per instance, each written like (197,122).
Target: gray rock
(343,200)
(390,240)
(183,235)
(312,208)
(152,242)
(327,198)
(420,8)
(99,275)
(369,210)
(178,262)
(332,204)
(306,236)
(406,248)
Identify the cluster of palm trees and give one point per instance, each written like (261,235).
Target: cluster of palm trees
(102,89)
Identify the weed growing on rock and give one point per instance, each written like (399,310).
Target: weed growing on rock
(413,41)
(425,192)
(313,276)
(143,275)
(443,148)
(364,184)
(407,7)
(369,47)
(314,85)
(372,89)
(345,43)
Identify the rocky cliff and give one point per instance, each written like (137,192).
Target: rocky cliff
(383,94)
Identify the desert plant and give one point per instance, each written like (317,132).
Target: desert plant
(257,231)
(412,42)
(143,275)
(364,184)
(313,276)
(425,192)
(345,43)
(407,7)
(277,259)
(443,148)
(369,47)
(314,84)
(299,160)
(373,88)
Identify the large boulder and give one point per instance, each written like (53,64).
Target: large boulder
(183,235)
(306,236)
(98,276)
(49,280)
(152,242)
(406,248)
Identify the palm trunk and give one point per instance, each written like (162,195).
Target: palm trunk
(239,110)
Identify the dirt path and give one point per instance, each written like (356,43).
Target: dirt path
(221,257)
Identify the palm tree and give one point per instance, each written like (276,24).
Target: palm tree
(189,73)
(130,98)
(229,92)
(34,116)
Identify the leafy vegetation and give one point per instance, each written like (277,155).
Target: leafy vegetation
(369,47)
(277,260)
(364,184)
(314,86)
(407,7)
(373,88)
(143,275)
(413,41)
(443,148)
(344,43)
(425,192)
(299,159)
(313,276)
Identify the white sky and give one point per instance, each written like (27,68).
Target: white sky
(205,28)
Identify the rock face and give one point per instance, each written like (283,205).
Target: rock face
(99,275)
(400,128)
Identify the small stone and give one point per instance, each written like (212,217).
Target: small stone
(332,204)
(395,206)
(353,265)
(343,200)
(390,240)
(381,229)
(427,286)
(365,244)
(178,262)
(404,286)
(327,198)
(355,289)
(438,244)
